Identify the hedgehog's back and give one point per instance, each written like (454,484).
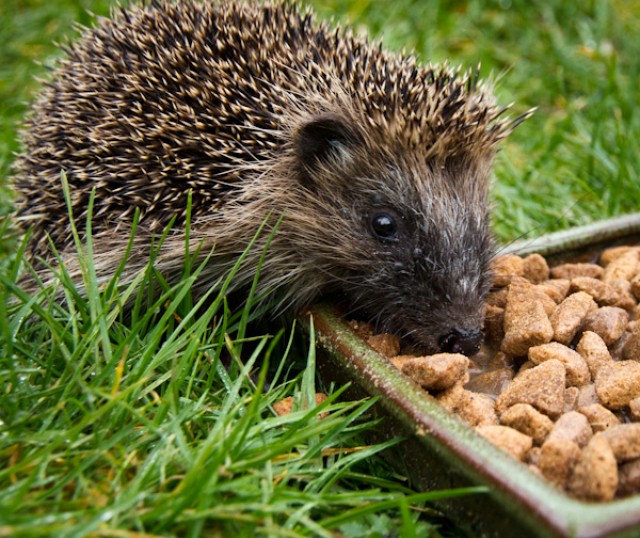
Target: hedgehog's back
(176,99)
(158,102)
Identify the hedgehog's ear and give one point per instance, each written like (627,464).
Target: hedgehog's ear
(321,140)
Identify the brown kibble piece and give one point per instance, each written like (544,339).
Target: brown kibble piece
(629,478)
(521,289)
(599,417)
(575,366)
(452,397)
(610,254)
(623,267)
(526,323)
(626,300)
(399,360)
(634,409)
(634,323)
(285,406)
(385,344)
(570,271)
(618,383)
(506,267)
(475,409)
(594,351)
(602,292)
(635,286)
(542,387)
(535,268)
(595,475)
(540,295)
(624,440)
(556,288)
(569,316)
(557,460)
(609,322)
(512,441)
(631,349)
(572,426)
(526,419)
(434,372)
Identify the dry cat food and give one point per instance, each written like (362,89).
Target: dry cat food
(557,383)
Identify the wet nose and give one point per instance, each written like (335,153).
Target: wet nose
(462,341)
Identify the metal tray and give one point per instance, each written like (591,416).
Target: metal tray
(441,451)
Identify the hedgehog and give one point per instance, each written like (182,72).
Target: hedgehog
(368,170)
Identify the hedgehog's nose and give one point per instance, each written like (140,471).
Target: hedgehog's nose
(462,341)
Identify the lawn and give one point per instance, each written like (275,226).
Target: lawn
(161,422)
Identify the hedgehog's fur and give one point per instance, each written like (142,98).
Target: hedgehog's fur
(258,110)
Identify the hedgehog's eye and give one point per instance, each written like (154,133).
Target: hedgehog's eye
(384,226)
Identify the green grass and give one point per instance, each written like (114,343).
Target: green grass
(159,420)
(159,423)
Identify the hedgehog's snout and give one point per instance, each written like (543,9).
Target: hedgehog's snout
(458,340)
(446,313)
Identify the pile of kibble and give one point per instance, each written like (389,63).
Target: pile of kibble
(557,384)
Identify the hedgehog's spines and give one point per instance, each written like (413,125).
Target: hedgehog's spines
(171,97)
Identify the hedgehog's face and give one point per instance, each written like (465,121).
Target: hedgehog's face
(412,242)
(432,269)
